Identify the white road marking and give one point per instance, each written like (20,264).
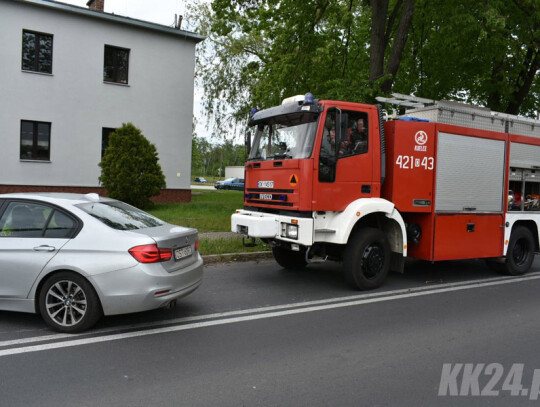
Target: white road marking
(255,314)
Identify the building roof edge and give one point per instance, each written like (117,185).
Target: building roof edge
(55,5)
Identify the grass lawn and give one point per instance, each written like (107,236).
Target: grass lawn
(208,211)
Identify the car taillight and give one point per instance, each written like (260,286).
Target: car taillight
(150,253)
(197,245)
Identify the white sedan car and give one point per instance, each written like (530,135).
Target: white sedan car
(73,258)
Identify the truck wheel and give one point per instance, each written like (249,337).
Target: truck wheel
(520,253)
(289,259)
(69,303)
(366,260)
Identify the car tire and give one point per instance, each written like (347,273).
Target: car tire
(366,260)
(289,259)
(68,303)
(520,252)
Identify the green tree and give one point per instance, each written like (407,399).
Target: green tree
(480,52)
(196,158)
(130,170)
(260,51)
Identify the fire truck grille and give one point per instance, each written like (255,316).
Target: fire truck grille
(271,191)
(275,197)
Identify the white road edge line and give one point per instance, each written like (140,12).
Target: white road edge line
(54,337)
(311,308)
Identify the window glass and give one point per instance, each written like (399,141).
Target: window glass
(284,137)
(327,156)
(116,64)
(354,140)
(60,226)
(37,52)
(22,219)
(35,140)
(105,133)
(43,137)
(357,135)
(119,215)
(29,51)
(27,139)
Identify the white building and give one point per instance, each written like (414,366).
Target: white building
(234,171)
(70,75)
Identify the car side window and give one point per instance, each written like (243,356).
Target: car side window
(24,219)
(60,226)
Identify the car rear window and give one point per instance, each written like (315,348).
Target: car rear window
(120,216)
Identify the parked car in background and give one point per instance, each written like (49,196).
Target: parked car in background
(73,258)
(218,184)
(231,183)
(201,179)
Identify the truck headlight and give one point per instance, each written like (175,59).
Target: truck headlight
(289,231)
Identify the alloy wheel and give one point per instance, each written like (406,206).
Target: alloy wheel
(66,303)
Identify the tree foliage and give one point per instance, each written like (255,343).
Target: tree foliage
(260,51)
(482,52)
(206,158)
(130,169)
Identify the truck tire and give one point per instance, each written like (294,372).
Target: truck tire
(289,259)
(520,252)
(366,260)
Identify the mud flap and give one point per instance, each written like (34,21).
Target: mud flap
(397,262)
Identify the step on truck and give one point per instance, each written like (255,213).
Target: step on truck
(333,180)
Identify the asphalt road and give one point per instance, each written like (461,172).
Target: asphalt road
(257,335)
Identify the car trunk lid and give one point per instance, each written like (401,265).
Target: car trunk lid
(182,241)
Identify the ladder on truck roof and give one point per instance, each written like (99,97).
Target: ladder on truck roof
(462,114)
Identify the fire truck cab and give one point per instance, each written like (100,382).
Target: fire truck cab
(333,180)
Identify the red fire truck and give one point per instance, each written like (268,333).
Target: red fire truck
(332,180)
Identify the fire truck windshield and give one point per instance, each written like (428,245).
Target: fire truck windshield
(282,138)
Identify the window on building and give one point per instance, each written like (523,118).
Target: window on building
(105,133)
(35,140)
(116,64)
(37,52)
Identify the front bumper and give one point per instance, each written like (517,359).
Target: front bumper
(269,226)
(145,286)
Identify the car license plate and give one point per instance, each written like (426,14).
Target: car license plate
(265,184)
(182,253)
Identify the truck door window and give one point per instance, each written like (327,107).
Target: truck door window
(356,141)
(327,155)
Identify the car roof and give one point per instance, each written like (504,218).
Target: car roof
(57,197)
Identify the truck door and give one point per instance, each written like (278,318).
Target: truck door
(345,164)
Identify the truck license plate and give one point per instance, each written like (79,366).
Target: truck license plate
(265,184)
(182,253)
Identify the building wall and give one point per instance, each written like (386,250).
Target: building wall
(234,172)
(158,98)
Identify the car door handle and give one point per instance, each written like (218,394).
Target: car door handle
(44,248)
